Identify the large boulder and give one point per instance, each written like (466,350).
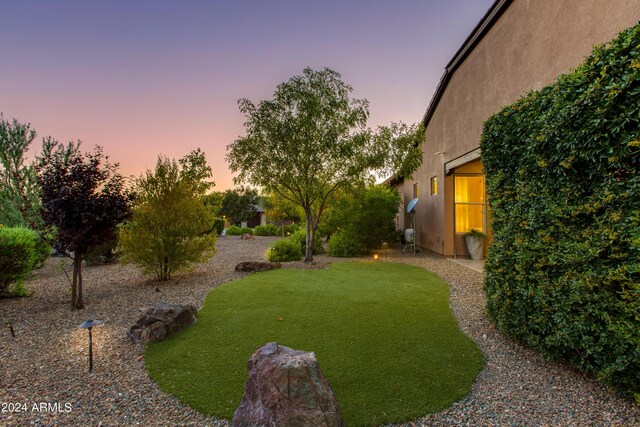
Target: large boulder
(286,389)
(161,320)
(253,266)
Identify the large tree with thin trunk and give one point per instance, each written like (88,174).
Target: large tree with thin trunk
(83,199)
(312,139)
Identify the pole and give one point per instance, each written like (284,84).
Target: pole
(414,234)
(90,353)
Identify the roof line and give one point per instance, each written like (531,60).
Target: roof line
(485,24)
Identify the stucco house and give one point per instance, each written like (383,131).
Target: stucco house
(518,46)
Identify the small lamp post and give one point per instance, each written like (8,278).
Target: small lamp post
(88,324)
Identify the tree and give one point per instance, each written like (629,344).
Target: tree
(83,199)
(280,209)
(171,227)
(311,140)
(19,202)
(239,204)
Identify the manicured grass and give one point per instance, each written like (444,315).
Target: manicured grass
(383,334)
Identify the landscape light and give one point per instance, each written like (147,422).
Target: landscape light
(88,324)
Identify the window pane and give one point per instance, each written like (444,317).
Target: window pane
(469,189)
(468,217)
(434,185)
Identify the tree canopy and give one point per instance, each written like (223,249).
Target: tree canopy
(171,227)
(83,199)
(311,140)
(19,202)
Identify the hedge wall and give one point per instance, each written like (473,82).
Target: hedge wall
(561,164)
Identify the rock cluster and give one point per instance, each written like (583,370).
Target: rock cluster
(161,320)
(252,266)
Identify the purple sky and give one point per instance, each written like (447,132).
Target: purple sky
(143,78)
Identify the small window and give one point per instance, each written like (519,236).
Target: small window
(415,190)
(434,185)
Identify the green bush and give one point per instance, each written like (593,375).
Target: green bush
(563,175)
(342,244)
(367,216)
(234,230)
(218,225)
(246,230)
(284,250)
(18,257)
(290,229)
(301,237)
(267,230)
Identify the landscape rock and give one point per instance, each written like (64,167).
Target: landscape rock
(252,266)
(161,320)
(286,389)
(247,236)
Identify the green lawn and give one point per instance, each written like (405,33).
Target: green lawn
(383,334)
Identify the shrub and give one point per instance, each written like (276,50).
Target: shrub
(246,230)
(563,177)
(290,229)
(301,237)
(367,216)
(104,253)
(267,230)
(18,257)
(234,230)
(342,244)
(218,225)
(170,229)
(284,250)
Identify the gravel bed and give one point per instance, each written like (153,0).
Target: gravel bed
(47,360)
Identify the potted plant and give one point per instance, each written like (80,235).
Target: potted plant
(475,243)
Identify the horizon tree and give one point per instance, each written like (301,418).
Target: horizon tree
(83,199)
(311,140)
(19,202)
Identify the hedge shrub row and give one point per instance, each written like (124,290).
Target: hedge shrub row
(563,180)
(267,230)
(234,230)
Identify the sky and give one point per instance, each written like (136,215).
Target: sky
(144,78)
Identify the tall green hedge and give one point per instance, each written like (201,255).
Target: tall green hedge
(562,173)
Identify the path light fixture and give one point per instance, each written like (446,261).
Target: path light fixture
(375,257)
(88,324)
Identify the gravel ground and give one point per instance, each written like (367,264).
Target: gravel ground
(47,361)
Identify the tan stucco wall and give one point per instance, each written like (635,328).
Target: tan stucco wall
(528,47)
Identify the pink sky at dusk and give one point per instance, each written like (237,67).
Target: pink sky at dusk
(163,77)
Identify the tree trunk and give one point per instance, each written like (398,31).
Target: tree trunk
(164,275)
(74,285)
(79,303)
(308,257)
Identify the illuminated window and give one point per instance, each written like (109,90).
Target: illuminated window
(469,202)
(415,190)
(434,185)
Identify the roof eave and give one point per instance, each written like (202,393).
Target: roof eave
(485,24)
